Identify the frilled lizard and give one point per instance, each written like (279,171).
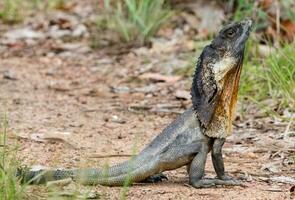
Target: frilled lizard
(196,132)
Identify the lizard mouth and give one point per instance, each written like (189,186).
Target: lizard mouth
(241,41)
(247,24)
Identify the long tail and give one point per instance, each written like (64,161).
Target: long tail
(131,171)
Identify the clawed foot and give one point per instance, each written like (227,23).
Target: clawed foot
(205,183)
(155,178)
(225,177)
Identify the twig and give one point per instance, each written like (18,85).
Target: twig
(109,155)
(275,190)
(279,179)
(273,150)
(288,127)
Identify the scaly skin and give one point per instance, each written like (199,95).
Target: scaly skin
(176,146)
(195,133)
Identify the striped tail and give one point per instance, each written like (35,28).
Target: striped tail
(125,173)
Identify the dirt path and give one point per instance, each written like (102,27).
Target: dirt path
(54,95)
(69,105)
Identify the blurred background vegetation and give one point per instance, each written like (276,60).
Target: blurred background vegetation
(269,63)
(268,77)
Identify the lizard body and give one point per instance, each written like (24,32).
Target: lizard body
(187,140)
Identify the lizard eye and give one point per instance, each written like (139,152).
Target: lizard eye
(230,32)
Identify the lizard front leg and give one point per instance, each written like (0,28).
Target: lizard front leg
(218,163)
(217,159)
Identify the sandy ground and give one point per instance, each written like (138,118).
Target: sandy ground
(54,95)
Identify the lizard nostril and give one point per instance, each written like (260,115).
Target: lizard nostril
(247,22)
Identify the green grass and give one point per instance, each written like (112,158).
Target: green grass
(136,20)
(10,189)
(249,9)
(46,4)
(271,78)
(127,182)
(252,79)
(280,75)
(244,9)
(263,79)
(57,4)
(11,11)
(287,6)
(14,11)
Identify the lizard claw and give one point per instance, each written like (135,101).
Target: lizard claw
(155,178)
(205,183)
(225,177)
(229,180)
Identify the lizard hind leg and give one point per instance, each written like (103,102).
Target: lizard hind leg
(197,168)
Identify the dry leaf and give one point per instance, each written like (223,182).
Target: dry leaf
(288,27)
(283,179)
(10,75)
(59,183)
(24,33)
(265,4)
(250,155)
(182,94)
(59,87)
(270,167)
(54,136)
(160,78)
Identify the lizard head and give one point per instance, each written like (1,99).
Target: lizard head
(231,39)
(218,70)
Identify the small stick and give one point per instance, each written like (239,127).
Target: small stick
(109,155)
(275,190)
